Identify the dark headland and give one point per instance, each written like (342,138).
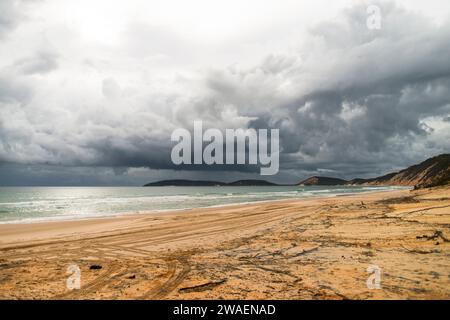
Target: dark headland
(432,172)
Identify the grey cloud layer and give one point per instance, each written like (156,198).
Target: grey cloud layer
(40,63)
(9,16)
(350,101)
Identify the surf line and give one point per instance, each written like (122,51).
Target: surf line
(256,142)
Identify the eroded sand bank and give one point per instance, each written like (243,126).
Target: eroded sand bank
(303,249)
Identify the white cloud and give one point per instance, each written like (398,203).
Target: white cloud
(105,82)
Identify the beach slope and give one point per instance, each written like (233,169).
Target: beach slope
(293,249)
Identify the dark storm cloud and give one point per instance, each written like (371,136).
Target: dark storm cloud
(367,93)
(350,102)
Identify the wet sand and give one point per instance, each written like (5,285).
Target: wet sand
(293,249)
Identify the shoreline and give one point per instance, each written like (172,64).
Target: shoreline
(315,248)
(161,211)
(17,230)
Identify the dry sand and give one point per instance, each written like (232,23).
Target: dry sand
(302,249)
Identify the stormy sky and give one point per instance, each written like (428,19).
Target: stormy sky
(90,91)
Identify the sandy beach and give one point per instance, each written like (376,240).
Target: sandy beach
(317,248)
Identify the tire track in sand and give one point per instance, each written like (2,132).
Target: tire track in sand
(177,271)
(100,281)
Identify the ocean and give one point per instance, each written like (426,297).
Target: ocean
(33,204)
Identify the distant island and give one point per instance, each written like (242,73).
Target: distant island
(322,181)
(429,173)
(206,183)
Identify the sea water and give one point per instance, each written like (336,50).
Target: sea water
(30,204)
